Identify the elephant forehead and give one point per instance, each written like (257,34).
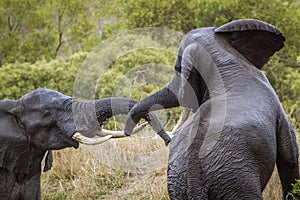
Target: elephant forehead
(42,97)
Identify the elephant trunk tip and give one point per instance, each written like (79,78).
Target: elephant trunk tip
(129,125)
(132,119)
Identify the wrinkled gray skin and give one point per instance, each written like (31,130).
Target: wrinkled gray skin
(239,131)
(39,122)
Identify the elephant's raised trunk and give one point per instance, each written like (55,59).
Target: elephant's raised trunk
(165,98)
(108,107)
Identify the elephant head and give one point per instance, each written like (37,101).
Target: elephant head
(200,65)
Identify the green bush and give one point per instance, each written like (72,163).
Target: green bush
(286,82)
(295,191)
(20,78)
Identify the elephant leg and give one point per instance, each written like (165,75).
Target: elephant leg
(287,158)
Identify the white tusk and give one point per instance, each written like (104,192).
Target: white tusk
(183,117)
(119,134)
(114,134)
(89,141)
(139,127)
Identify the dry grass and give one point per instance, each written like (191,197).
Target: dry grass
(273,189)
(128,168)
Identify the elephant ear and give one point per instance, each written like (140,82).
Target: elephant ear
(254,39)
(13,146)
(15,151)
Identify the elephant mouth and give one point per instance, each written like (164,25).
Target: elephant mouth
(73,143)
(69,140)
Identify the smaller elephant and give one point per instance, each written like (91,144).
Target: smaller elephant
(228,148)
(46,120)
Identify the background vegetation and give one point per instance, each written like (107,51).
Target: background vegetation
(43,44)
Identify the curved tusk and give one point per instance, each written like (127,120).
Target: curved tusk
(89,141)
(114,134)
(183,117)
(140,127)
(119,134)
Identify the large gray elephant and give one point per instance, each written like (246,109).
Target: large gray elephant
(46,120)
(228,148)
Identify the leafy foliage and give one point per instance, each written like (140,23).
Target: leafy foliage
(37,30)
(295,191)
(142,62)
(20,78)
(174,14)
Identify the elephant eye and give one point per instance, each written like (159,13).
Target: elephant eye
(47,114)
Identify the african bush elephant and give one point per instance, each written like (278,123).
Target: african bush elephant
(228,148)
(46,120)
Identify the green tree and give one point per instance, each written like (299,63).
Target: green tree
(35,30)
(175,14)
(24,34)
